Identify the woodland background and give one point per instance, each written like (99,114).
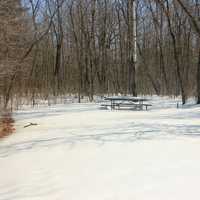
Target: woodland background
(50,48)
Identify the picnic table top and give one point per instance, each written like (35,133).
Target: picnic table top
(125,98)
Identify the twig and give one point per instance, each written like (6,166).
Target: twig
(30,124)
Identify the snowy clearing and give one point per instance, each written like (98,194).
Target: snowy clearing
(79,152)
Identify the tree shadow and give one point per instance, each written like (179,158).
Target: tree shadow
(129,133)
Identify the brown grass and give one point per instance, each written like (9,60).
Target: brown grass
(6,125)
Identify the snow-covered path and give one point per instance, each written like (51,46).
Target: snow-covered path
(79,152)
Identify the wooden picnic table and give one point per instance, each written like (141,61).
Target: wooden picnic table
(124,102)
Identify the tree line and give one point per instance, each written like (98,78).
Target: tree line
(50,48)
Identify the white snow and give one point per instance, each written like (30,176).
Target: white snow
(79,152)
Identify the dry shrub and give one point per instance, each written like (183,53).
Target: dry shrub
(6,125)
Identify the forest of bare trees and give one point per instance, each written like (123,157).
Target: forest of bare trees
(50,48)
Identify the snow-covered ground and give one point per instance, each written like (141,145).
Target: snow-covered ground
(79,152)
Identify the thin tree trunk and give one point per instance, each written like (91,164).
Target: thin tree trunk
(198,79)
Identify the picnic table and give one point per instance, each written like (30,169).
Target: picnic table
(125,102)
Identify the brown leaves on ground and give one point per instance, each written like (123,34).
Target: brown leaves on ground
(6,125)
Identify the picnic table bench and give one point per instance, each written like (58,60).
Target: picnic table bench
(130,103)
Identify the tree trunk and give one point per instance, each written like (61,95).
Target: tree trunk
(198,79)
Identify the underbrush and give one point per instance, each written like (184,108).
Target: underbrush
(6,125)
